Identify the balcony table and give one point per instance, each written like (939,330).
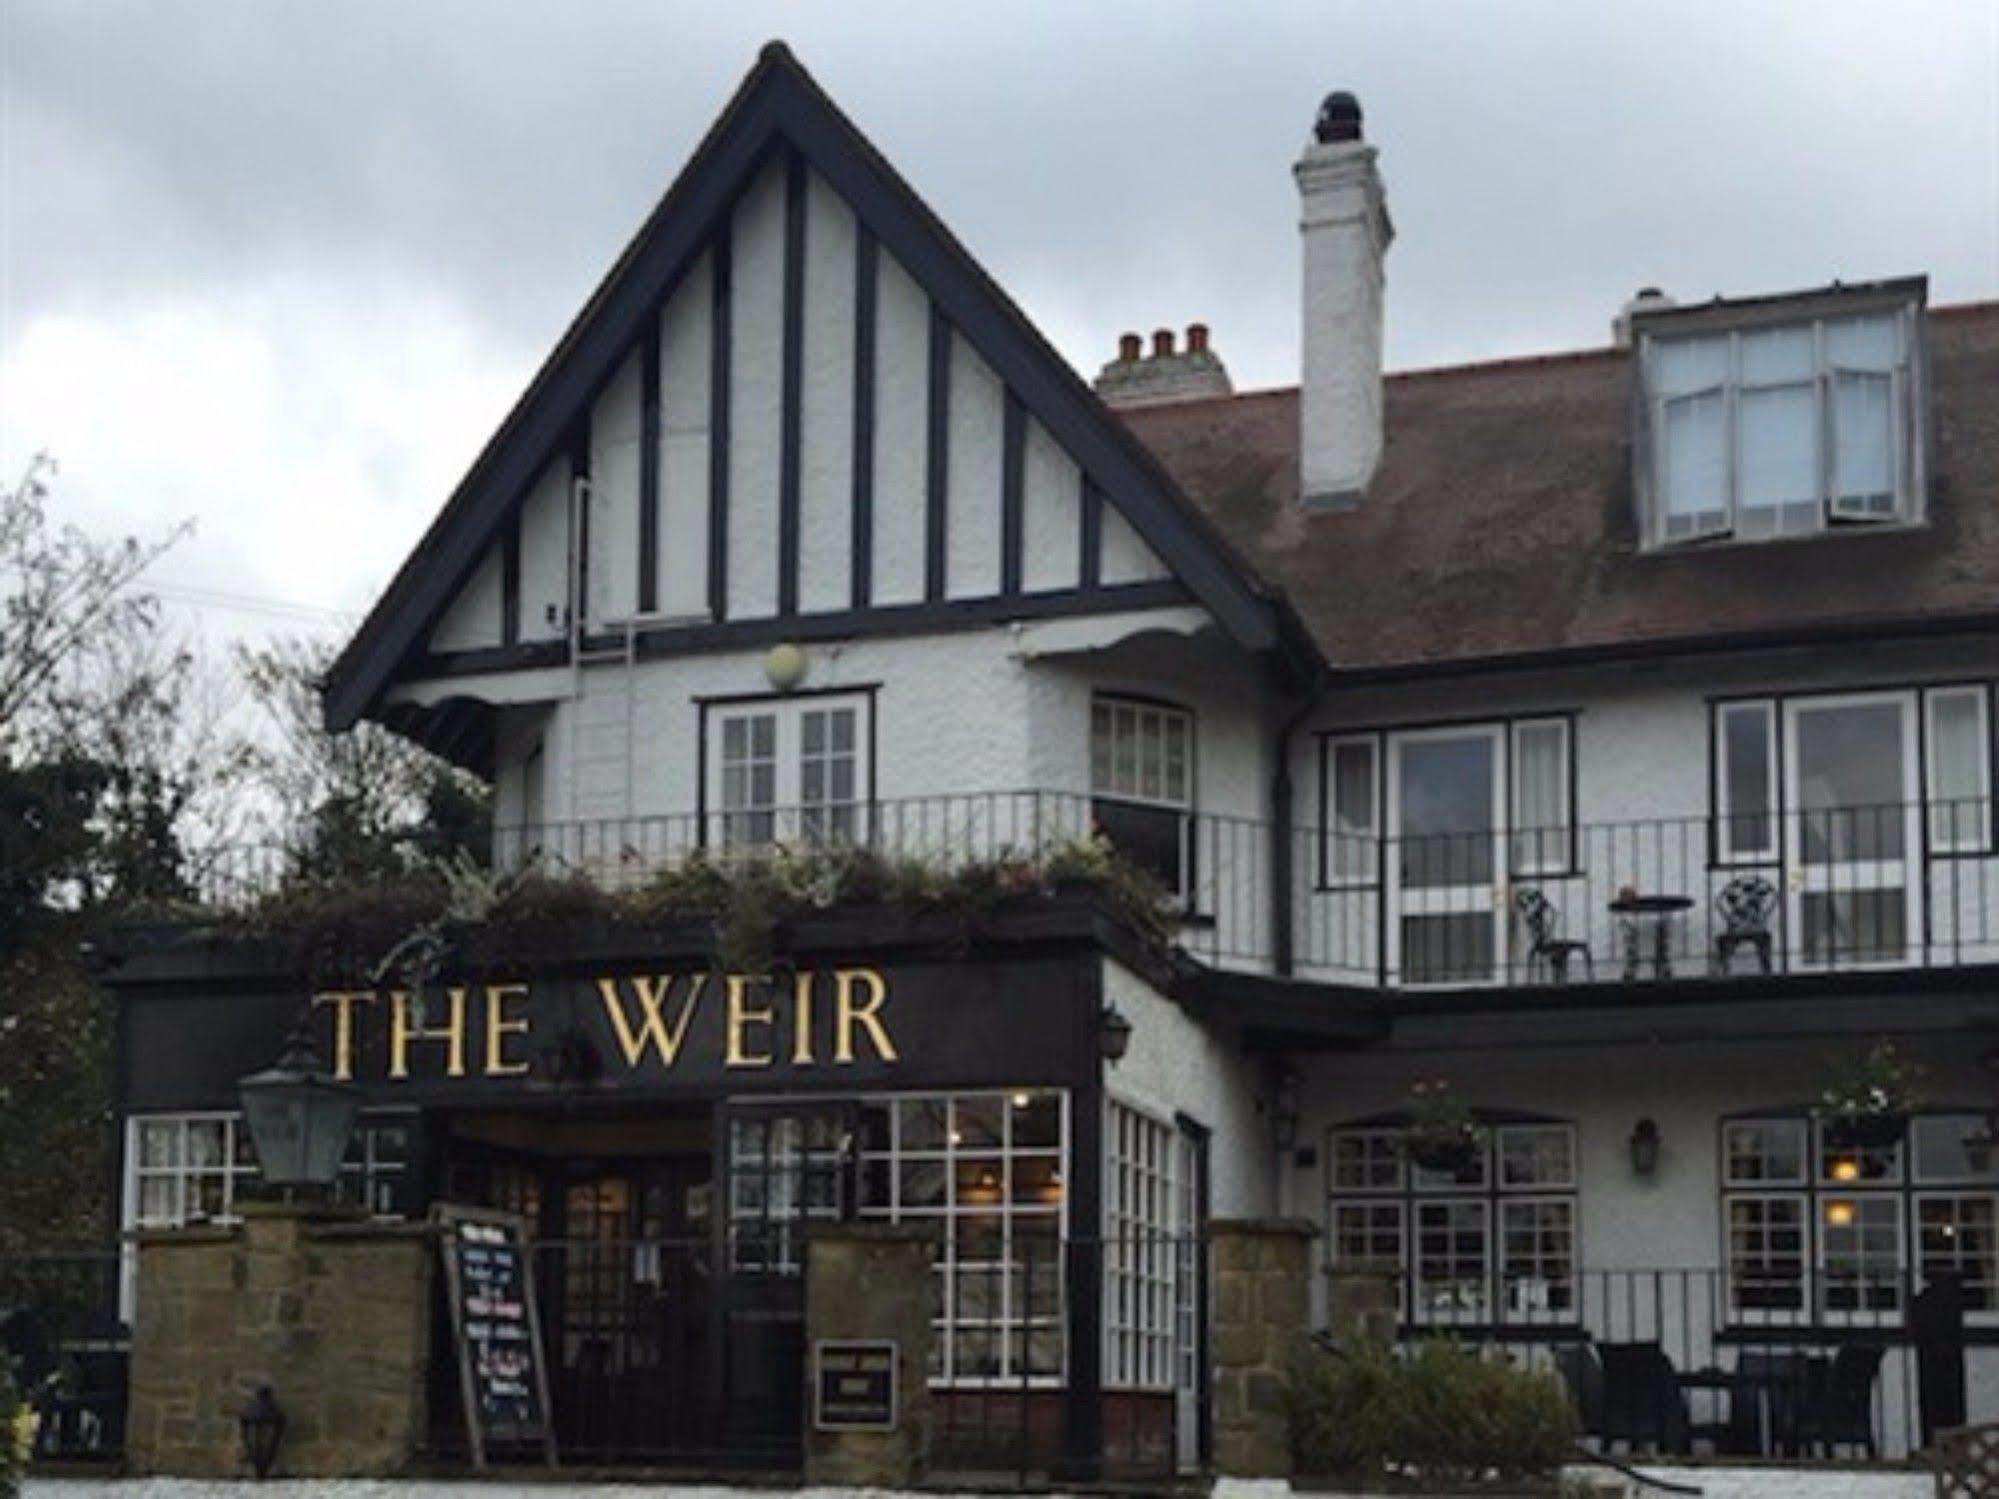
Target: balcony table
(1659,910)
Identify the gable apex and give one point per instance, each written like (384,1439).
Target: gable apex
(780,114)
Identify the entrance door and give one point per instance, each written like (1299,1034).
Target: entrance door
(1447,815)
(1852,832)
(782,1166)
(1190,1298)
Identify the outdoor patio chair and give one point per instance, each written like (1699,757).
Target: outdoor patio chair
(1642,1403)
(1542,923)
(1766,1404)
(1840,1412)
(1745,905)
(1582,1371)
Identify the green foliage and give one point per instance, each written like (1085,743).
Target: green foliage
(1881,1080)
(13,1460)
(1439,1416)
(55,1119)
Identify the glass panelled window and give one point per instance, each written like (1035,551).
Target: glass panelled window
(195,1168)
(1495,1241)
(1820,1229)
(1142,785)
(792,768)
(1141,1199)
(1746,782)
(988,1167)
(785,1170)
(1542,843)
(1353,790)
(1781,430)
(1958,740)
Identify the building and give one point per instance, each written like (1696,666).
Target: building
(1608,734)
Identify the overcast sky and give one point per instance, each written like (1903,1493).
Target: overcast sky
(281,267)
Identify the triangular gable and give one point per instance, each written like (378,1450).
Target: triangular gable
(779,106)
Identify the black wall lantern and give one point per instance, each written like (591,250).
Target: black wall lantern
(300,1116)
(1645,1147)
(1115,1035)
(263,1427)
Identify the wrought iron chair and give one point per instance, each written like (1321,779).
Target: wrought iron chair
(1839,1411)
(1543,923)
(1582,1371)
(1642,1403)
(1745,905)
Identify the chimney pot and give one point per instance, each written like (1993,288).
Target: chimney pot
(1129,346)
(1162,343)
(1339,119)
(1197,338)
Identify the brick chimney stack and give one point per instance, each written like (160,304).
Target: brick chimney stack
(1188,374)
(1343,217)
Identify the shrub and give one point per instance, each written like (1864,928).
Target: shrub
(1440,1416)
(14,1429)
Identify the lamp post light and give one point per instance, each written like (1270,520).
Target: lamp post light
(263,1427)
(300,1116)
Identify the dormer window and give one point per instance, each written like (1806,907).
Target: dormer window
(1766,428)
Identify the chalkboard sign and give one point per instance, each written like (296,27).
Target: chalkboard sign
(489,1284)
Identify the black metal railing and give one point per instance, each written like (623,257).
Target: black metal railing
(70,1353)
(1698,1361)
(1645,901)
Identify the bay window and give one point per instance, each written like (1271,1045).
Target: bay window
(1494,1242)
(1781,429)
(1815,1230)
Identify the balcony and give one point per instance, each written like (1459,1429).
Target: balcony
(1635,905)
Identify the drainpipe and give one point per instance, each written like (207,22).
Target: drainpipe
(1281,870)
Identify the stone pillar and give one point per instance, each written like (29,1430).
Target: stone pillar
(871,1282)
(1262,1315)
(331,1312)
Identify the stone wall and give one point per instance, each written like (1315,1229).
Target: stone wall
(1262,1301)
(333,1314)
(873,1282)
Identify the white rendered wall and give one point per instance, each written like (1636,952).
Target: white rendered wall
(1176,1065)
(1051,522)
(545,555)
(615,433)
(826,405)
(686,352)
(902,433)
(972,490)
(473,620)
(756,380)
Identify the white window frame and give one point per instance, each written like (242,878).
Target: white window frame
(1553,847)
(1948,818)
(1352,856)
(1860,1315)
(1905,451)
(1171,719)
(1799,1198)
(791,816)
(945,1319)
(1727,850)
(1140,1199)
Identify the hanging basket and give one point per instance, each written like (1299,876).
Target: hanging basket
(1453,1157)
(1865,1131)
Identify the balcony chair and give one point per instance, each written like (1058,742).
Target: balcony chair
(1766,1403)
(1642,1402)
(1745,905)
(1839,1410)
(1542,922)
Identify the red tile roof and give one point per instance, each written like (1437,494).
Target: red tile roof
(1501,523)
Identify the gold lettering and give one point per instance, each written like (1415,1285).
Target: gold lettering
(403,1030)
(801,1019)
(653,1029)
(343,1002)
(741,1015)
(845,981)
(499,1026)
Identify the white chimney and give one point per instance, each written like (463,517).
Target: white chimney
(1343,215)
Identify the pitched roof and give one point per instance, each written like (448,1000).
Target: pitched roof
(1500,525)
(780,107)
